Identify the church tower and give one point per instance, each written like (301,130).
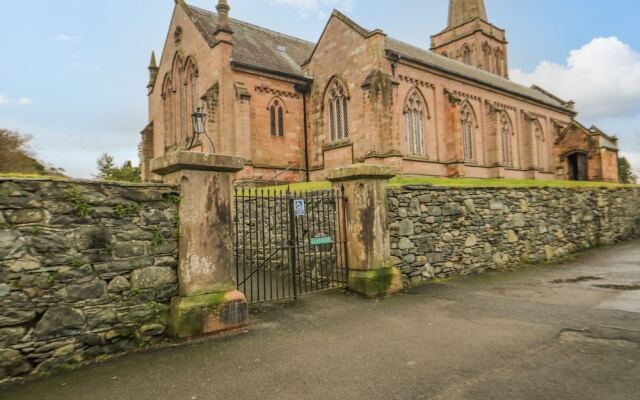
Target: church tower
(471,39)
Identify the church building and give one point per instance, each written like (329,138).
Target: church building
(295,109)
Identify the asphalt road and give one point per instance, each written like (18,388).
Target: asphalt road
(568,331)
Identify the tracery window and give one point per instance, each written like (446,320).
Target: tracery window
(338,118)
(466,55)
(168,106)
(467,122)
(414,117)
(538,138)
(191,97)
(506,131)
(276,113)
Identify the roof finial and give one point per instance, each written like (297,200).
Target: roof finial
(223,16)
(153,71)
(153,63)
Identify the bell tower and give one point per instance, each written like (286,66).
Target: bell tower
(471,39)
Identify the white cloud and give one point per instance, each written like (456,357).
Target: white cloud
(63,37)
(320,8)
(5,101)
(603,77)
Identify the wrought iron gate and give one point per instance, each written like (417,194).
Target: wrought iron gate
(289,243)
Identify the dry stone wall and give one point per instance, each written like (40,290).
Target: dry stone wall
(87,269)
(444,232)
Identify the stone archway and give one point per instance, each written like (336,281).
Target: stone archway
(578,166)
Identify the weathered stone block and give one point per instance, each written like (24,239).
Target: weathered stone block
(10,336)
(118,284)
(406,227)
(375,283)
(24,265)
(130,249)
(12,363)
(152,277)
(102,318)
(92,289)
(151,330)
(26,216)
(12,245)
(59,321)
(210,313)
(92,237)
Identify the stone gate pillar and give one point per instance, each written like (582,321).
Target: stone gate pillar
(208,301)
(371,272)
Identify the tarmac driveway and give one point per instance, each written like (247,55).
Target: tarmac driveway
(568,331)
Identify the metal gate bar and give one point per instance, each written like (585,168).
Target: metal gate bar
(289,243)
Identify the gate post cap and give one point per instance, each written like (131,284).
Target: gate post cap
(188,160)
(360,171)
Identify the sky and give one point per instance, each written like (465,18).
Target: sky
(73,72)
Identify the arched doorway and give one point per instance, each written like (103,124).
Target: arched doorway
(578,166)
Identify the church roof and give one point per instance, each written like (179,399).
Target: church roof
(267,50)
(255,46)
(447,65)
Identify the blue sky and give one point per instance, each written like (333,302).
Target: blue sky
(73,72)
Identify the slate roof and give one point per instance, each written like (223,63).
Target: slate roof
(606,141)
(255,46)
(265,49)
(448,65)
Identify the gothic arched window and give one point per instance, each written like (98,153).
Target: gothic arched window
(498,62)
(466,54)
(414,117)
(538,140)
(179,100)
(338,118)
(191,94)
(276,114)
(467,123)
(168,110)
(506,131)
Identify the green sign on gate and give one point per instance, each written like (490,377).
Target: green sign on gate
(319,241)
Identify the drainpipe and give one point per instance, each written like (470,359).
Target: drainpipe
(304,88)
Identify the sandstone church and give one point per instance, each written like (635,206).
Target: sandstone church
(294,109)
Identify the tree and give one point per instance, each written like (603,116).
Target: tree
(16,157)
(625,171)
(109,172)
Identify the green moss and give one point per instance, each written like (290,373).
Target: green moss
(126,210)
(373,283)
(177,228)
(108,249)
(173,198)
(68,367)
(36,230)
(157,240)
(188,314)
(53,277)
(75,197)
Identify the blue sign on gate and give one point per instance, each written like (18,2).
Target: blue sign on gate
(298,207)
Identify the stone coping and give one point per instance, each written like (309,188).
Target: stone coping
(90,182)
(360,171)
(505,188)
(187,160)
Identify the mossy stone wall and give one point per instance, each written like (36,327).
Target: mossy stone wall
(87,269)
